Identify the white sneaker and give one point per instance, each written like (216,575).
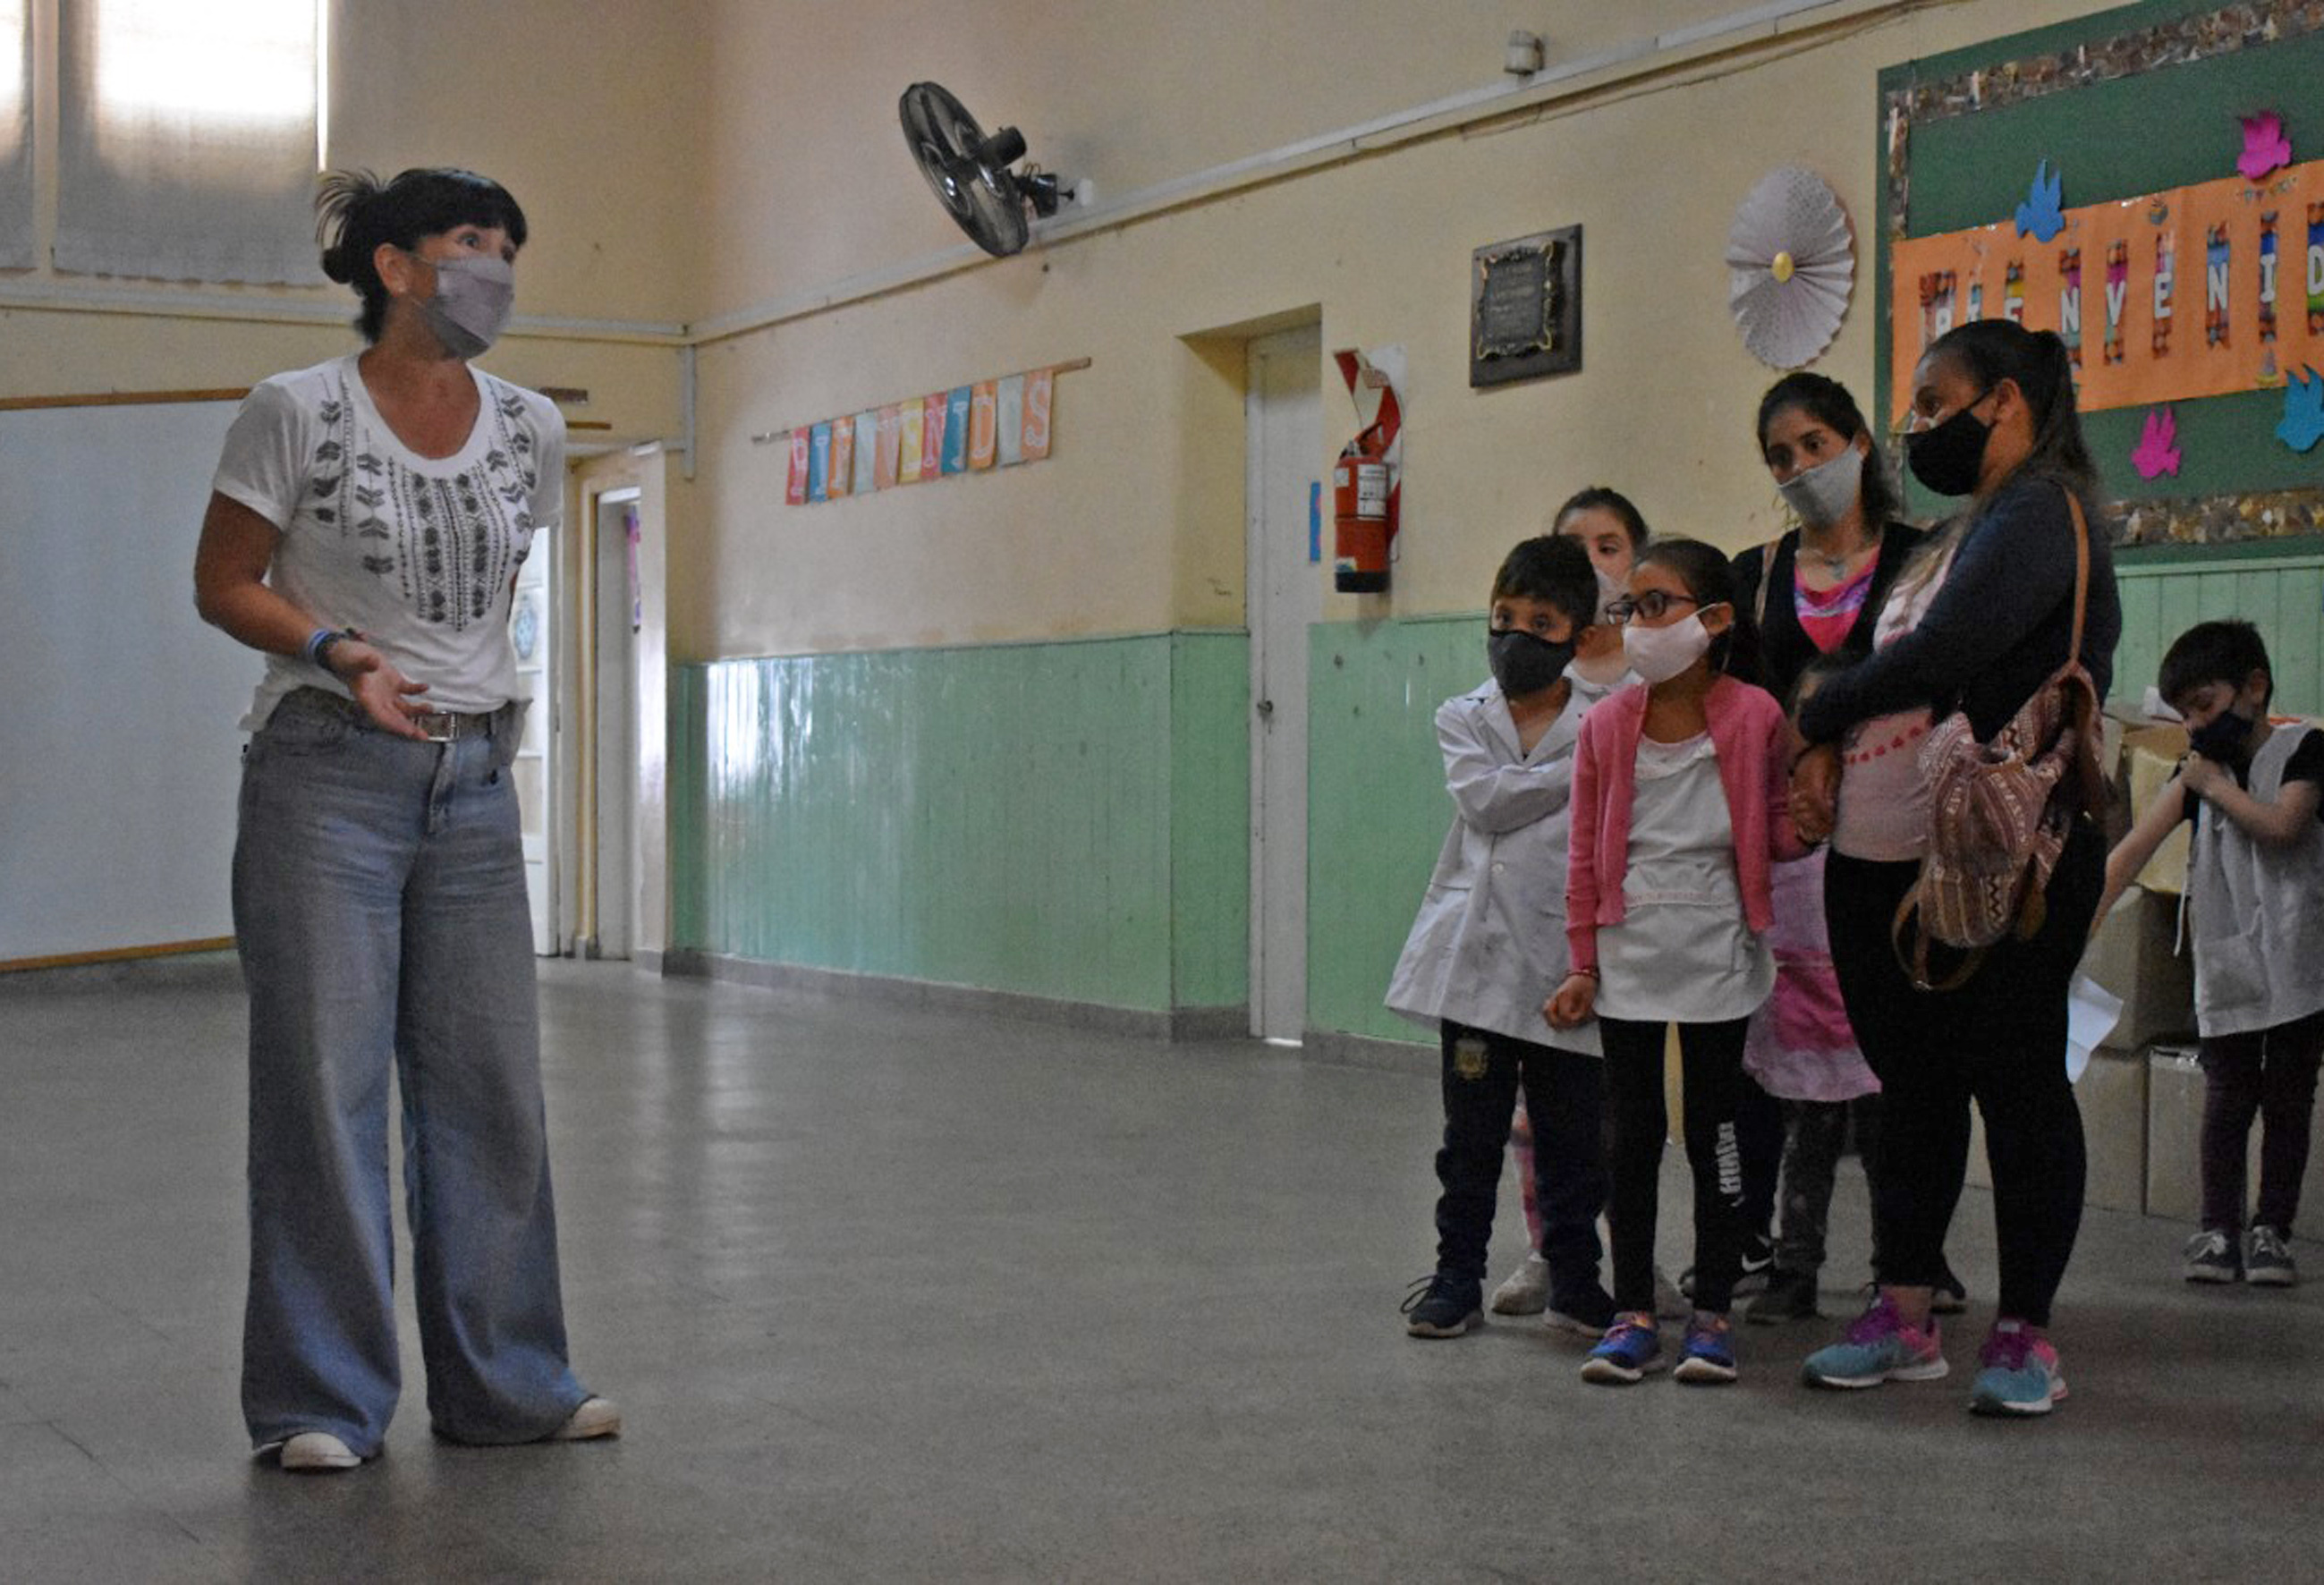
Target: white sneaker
(596,1417)
(316,1452)
(1527,1291)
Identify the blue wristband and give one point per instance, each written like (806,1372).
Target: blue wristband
(315,644)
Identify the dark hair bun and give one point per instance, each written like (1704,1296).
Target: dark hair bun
(340,199)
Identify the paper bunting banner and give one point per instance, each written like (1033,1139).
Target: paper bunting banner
(968,428)
(843,457)
(1009,401)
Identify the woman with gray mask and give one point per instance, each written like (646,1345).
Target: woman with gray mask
(1814,595)
(364,530)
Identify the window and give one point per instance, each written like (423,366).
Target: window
(16,135)
(188,138)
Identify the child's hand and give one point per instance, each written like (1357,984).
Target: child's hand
(1816,785)
(1569,1009)
(2201,777)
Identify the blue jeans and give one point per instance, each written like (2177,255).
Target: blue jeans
(379,903)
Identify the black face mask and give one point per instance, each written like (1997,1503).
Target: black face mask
(2221,739)
(1946,457)
(1524,664)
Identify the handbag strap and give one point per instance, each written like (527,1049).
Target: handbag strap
(1766,573)
(2082,575)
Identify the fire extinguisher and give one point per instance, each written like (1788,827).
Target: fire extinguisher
(1359,510)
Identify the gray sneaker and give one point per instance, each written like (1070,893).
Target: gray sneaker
(2267,1260)
(2209,1256)
(1527,1291)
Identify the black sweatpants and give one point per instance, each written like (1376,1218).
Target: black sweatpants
(2269,1075)
(2000,1039)
(1711,1060)
(1483,1071)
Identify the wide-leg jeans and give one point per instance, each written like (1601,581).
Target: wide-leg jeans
(380,909)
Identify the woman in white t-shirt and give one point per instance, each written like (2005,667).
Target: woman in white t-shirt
(365,530)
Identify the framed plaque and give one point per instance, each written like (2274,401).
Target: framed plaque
(1524,308)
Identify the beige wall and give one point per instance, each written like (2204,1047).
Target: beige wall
(1135,523)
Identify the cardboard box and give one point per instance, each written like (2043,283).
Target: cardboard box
(2112,1096)
(2153,755)
(2132,953)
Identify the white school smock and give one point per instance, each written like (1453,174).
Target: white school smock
(1683,952)
(2256,911)
(1489,945)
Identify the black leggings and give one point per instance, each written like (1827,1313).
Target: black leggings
(1710,1058)
(2000,1039)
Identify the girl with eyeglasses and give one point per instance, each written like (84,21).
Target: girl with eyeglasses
(1679,807)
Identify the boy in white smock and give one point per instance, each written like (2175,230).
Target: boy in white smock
(2254,790)
(1488,946)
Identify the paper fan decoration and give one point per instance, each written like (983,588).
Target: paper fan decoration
(1791,264)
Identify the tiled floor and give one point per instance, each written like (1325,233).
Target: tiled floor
(895,1295)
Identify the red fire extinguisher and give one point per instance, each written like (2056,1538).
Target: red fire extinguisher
(1359,510)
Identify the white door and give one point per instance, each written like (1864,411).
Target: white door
(532,628)
(613,733)
(1282,509)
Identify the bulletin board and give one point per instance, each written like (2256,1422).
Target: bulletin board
(2139,108)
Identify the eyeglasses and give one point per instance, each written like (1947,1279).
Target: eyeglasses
(1652,606)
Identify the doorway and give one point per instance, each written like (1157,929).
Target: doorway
(610,615)
(1282,515)
(532,632)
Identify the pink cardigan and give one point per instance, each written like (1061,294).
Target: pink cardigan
(1752,740)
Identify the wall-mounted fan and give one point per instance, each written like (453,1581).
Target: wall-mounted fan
(971,172)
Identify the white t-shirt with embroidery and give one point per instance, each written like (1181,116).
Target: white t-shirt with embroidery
(417,553)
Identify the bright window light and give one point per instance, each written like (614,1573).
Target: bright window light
(11,88)
(222,61)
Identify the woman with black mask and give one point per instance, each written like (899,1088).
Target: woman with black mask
(1979,622)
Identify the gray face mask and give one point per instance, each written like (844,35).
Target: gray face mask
(1822,495)
(473,297)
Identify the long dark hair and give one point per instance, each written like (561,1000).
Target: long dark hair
(1828,402)
(2037,362)
(1710,578)
(355,212)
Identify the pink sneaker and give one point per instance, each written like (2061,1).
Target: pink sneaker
(2020,1374)
(1878,1347)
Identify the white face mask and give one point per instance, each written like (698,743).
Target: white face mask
(1822,495)
(1610,589)
(1658,654)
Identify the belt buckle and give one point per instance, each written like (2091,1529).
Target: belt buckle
(437,727)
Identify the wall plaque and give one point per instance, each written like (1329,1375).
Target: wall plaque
(1524,308)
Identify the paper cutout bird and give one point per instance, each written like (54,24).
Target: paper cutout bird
(2158,450)
(2303,411)
(2039,216)
(2265,148)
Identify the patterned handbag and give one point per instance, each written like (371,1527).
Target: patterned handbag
(2000,811)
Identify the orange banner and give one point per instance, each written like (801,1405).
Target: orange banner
(2203,290)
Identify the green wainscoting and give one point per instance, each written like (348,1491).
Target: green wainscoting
(2283,595)
(1061,820)
(1377,809)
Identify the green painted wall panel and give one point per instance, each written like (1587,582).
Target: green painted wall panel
(2283,597)
(1209,819)
(1377,809)
(1042,818)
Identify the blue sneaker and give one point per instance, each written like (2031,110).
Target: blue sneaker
(1878,1347)
(1632,1347)
(1707,1359)
(2020,1374)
